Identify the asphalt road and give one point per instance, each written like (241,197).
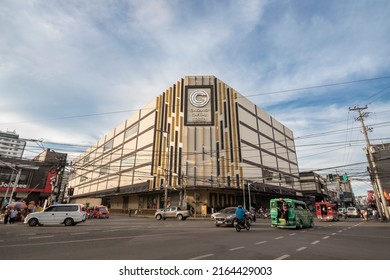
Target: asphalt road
(132,238)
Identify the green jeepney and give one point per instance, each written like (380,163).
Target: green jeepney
(290,213)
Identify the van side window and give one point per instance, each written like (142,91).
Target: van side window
(50,209)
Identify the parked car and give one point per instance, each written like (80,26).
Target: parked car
(353,212)
(67,214)
(101,212)
(342,211)
(172,212)
(227,216)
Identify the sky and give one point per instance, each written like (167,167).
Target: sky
(71,71)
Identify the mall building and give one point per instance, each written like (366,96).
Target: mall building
(199,144)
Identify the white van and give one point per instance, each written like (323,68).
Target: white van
(67,214)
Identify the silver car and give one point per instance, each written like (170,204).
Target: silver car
(227,217)
(353,212)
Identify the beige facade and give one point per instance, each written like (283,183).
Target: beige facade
(200,142)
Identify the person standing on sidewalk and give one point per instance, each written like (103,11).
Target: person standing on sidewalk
(6,215)
(12,216)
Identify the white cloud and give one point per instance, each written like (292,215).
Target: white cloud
(72,58)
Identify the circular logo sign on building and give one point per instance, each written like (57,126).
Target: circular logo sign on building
(199,98)
(199,105)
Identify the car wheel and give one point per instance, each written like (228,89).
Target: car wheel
(33,222)
(180,217)
(68,222)
(158,217)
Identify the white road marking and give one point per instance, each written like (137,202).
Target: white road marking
(40,237)
(261,242)
(315,242)
(282,257)
(202,257)
(301,249)
(334,233)
(280,237)
(325,237)
(237,248)
(79,233)
(291,234)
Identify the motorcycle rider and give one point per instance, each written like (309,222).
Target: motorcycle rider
(240,215)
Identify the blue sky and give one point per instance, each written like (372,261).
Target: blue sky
(70,71)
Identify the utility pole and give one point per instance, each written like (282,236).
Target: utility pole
(167,164)
(18,173)
(378,190)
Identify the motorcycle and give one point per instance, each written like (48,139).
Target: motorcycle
(243,225)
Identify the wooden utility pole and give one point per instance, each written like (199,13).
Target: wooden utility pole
(378,190)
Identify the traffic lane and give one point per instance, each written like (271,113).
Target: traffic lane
(21,233)
(356,241)
(272,243)
(81,236)
(136,244)
(170,240)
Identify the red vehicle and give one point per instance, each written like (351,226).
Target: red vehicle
(327,211)
(101,212)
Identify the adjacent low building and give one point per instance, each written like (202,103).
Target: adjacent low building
(10,145)
(199,144)
(39,179)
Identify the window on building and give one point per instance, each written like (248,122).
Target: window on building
(104,170)
(83,179)
(128,161)
(131,130)
(86,159)
(108,145)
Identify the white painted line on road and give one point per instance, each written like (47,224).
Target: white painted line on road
(202,257)
(79,233)
(26,234)
(334,233)
(291,234)
(315,242)
(237,248)
(340,231)
(40,237)
(304,231)
(280,237)
(325,237)
(301,249)
(282,257)
(111,230)
(261,242)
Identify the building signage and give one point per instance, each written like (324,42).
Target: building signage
(4,185)
(199,105)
